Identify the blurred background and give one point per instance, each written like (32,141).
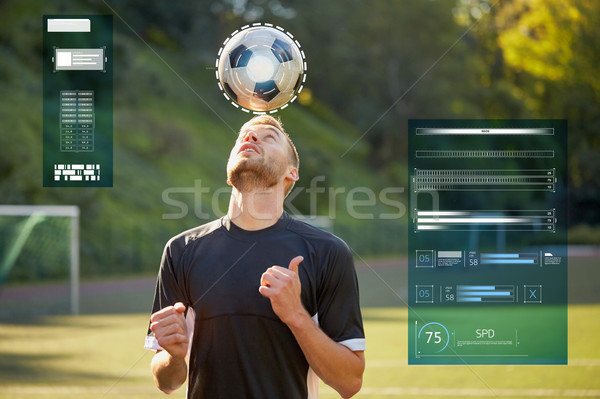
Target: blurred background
(372,65)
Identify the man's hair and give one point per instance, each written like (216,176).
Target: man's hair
(276,122)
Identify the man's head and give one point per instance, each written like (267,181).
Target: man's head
(263,156)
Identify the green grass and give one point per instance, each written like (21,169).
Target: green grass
(96,356)
(101,356)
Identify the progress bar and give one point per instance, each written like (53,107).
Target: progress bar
(484,180)
(484,154)
(508,259)
(461,131)
(498,220)
(485,293)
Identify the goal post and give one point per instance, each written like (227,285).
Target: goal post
(36,214)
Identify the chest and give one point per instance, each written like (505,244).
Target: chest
(223,277)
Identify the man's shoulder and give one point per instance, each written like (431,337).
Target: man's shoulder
(184,238)
(316,236)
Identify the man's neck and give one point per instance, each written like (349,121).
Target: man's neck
(257,209)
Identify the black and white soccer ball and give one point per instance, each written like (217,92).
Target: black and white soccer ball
(261,68)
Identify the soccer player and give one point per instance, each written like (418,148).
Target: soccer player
(257,302)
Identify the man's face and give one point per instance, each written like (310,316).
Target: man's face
(259,158)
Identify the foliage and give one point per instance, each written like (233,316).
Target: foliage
(372,65)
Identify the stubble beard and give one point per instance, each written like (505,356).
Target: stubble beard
(249,174)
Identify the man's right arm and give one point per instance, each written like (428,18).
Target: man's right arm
(168,365)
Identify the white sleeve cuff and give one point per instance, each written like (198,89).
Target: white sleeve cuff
(151,343)
(356,344)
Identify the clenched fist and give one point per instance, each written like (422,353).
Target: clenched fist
(170,330)
(282,286)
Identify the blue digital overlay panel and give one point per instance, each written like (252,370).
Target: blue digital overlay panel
(487,242)
(78,101)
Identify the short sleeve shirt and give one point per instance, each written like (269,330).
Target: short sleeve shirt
(240,347)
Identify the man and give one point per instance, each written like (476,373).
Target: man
(264,300)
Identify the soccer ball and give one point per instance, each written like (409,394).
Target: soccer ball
(261,68)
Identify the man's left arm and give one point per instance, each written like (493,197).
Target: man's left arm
(337,365)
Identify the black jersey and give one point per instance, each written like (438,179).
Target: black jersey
(240,348)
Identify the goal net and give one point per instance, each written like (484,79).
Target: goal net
(39,260)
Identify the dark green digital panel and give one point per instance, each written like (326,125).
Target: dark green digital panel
(488,242)
(78,100)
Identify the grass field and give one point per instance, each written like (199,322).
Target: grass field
(101,356)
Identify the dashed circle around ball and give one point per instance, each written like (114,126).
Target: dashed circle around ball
(261,68)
